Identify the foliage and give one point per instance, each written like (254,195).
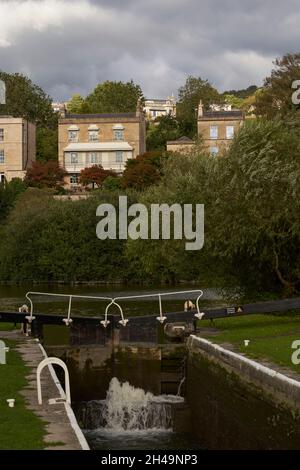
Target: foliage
(45,175)
(46,143)
(75,104)
(113,97)
(163,129)
(53,240)
(9,193)
(27,100)
(95,175)
(242,94)
(143,171)
(276,96)
(235,101)
(189,96)
(112,183)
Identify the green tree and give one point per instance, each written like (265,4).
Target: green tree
(114,97)
(75,104)
(189,96)
(27,100)
(163,129)
(9,192)
(275,98)
(46,143)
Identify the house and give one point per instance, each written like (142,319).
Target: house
(109,140)
(217,128)
(182,145)
(17,147)
(154,108)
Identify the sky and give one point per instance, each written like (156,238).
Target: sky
(68,46)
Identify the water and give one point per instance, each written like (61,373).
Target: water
(12,297)
(133,419)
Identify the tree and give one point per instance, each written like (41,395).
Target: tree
(9,192)
(163,129)
(95,175)
(46,143)
(45,175)
(275,98)
(189,96)
(112,183)
(244,93)
(143,171)
(27,100)
(75,104)
(114,97)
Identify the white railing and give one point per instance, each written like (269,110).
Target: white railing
(114,301)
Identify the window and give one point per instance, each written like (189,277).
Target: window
(119,134)
(74,157)
(213,132)
(93,136)
(74,179)
(229,132)
(1,135)
(93,157)
(73,136)
(214,150)
(2,158)
(119,157)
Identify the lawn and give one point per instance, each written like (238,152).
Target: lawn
(19,428)
(9,326)
(271,336)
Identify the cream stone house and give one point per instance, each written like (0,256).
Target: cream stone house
(17,147)
(154,108)
(217,128)
(109,140)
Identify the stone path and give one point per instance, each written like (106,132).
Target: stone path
(60,434)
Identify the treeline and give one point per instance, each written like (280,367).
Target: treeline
(252,224)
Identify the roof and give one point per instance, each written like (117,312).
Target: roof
(97,146)
(182,140)
(236,114)
(102,115)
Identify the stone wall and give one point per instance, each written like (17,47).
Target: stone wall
(237,403)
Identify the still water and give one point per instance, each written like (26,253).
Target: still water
(12,297)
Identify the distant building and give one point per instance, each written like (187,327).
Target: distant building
(59,107)
(17,147)
(182,145)
(109,140)
(154,108)
(217,128)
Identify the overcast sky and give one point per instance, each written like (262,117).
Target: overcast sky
(68,46)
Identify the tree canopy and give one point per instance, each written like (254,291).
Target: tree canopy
(113,97)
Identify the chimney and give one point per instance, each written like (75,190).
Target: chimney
(200,109)
(139,107)
(63,111)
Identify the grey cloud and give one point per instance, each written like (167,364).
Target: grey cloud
(157,43)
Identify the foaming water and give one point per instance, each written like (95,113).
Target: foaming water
(130,409)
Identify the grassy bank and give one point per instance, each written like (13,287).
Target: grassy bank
(20,428)
(271,336)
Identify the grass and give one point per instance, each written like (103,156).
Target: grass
(20,428)
(271,336)
(9,326)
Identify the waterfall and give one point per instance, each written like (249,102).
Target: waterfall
(127,408)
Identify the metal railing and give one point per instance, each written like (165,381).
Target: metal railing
(113,301)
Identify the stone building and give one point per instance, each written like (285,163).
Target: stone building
(17,147)
(217,128)
(182,145)
(154,108)
(109,140)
